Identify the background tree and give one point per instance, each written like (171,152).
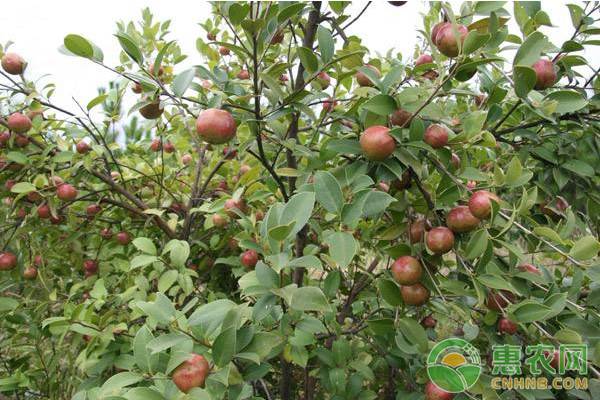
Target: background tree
(296,217)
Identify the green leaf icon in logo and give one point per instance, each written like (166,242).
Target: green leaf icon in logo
(454,365)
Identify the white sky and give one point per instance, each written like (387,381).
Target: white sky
(38,27)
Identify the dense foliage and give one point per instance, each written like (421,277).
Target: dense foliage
(296,217)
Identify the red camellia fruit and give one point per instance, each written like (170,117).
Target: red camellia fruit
(219,221)
(66,192)
(436,136)
(507,326)
(277,37)
(529,268)
(169,147)
(231,204)
(152,110)
(224,51)
(329,104)
(92,210)
(440,240)
(446,40)
(498,301)
(4,138)
(90,267)
(249,258)
(363,80)
(156,145)
(82,147)
(433,392)
(123,238)
(21,140)
(423,59)
(216,126)
(137,88)
(211,36)
(407,270)
(30,273)
(43,211)
(13,64)
(545,74)
(397,3)
(186,159)
(377,143)
(323,79)
(400,117)
(480,203)
(414,295)
(18,123)
(106,233)
(243,74)
(460,219)
(56,219)
(191,373)
(416,231)
(384,187)
(436,29)
(428,322)
(38,261)
(7,260)
(455,161)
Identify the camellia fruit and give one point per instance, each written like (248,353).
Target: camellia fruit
(414,295)
(186,159)
(498,301)
(219,221)
(545,74)
(106,233)
(216,126)
(329,104)
(416,231)
(30,273)
(436,29)
(123,238)
(455,161)
(363,80)
(82,147)
(480,203)
(90,267)
(400,117)
(323,79)
(156,145)
(243,74)
(249,258)
(18,123)
(7,260)
(423,59)
(231,204)
(191,373)
(446,40)
(277,37)
(436,136)
(151,110)
(92,210)
(505,325)
(529,268)
(43,211)
(407,270)
(224,51)
(460,219)
(377,143)
(434,392)
(13,64)
(428,322)
(440,240)
(66,192)
(21,140)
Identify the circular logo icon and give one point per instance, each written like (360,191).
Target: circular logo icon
(454,365)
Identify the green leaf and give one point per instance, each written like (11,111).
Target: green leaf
(143,393)
(531,49)
(328,192)
(376,202)
(525,79)
(382,104)
(298,210)
(115,383)
(326,43)
(309,298)
(130,47)
(144,244)
(475,41)
(97,100)
(514,171)
(342,248)
(477,244)
(224,346)
(281,232)
(8,304)
(165,342)
(143,359)
(182,81)
(568,101)
(585,248)
(579,167)
(529,311)
(308,59)
(390,292)
(414,333)
(79,46)
(167,280)
(142,260)
(161,309)
(23,187)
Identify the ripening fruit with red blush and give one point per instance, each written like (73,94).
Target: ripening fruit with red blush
(249,258)
(43,211)
(498,301)
(123,238)
(433,392)
(376,142)
(82,147)
(530,268)
(66,192)
(400,117)
(191,373)
(363,80)
(7,260)
(436,136)
(18,123)
(407,270)
(414,295)
(447,41)
(545,74)
(216,126)
(507,326)
(440,240)
(13,64)
(480,203)
(460,219)
(30,273)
